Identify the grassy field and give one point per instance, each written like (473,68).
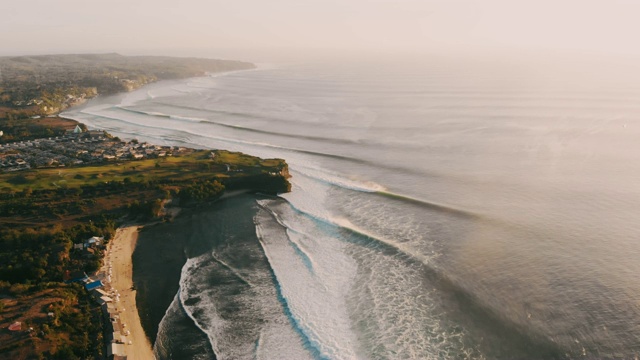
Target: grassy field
(177,169)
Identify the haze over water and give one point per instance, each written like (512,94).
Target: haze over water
(439,209)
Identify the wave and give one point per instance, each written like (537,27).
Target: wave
(271,119)
(431,205)
(186,309)
(245,115)
(276,133)
(336,180)
(347,226)
(231,269)
(228,140)
(305,256)
(350,159)
(174,136)
(333,180)
(238,127)
(379,190)
(503,326)
(180,90)
(179,337)
(149,113)
(311,345)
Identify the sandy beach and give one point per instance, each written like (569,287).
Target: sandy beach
(120,257)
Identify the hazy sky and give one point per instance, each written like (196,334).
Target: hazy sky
(408,26)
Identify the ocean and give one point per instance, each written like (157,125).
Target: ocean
(439,210)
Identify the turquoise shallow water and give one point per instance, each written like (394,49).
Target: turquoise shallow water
(438,210)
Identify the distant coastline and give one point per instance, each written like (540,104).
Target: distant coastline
(36,86)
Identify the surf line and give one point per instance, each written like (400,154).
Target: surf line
(306,258)
(311,345)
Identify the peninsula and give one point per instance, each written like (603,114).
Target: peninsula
(72,199)
(57,219)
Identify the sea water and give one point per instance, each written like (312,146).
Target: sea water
(438,210)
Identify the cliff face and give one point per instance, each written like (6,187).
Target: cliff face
(264,183)
(285,173)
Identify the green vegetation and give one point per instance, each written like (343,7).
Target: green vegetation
(44,212)
(197,165)
(65,322)
(28,129)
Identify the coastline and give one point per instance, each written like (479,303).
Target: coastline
(133,305)
(120,259)
(124,332)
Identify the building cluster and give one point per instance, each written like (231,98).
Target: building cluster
(27,102)
(108,299)
(77,148)
(117,332)
(89,247)
(99,286)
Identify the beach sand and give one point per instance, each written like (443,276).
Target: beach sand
(120,257)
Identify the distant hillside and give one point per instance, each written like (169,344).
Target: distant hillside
(47,84)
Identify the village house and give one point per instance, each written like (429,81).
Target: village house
(94,241)
(78,148)
(76,276)
(95,285)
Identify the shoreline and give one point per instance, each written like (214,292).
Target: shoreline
(164,249)
(119,263)
(118,260)
(64,114)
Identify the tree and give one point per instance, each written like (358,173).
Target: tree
(156,207)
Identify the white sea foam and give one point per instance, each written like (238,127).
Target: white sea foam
(187,287)
(337,179)
(316,299)
(258,319)
(309,197)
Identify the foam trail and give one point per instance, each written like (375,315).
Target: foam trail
(401,320)
(291,233)
(183,278)
(228,267)
(345,224)
(430,205)
(337,180)
(226,140)
(238,127)
(319,311)
(149,113)
(370,187)
(268,132)
(246,115)
(312,345)
(169,345)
